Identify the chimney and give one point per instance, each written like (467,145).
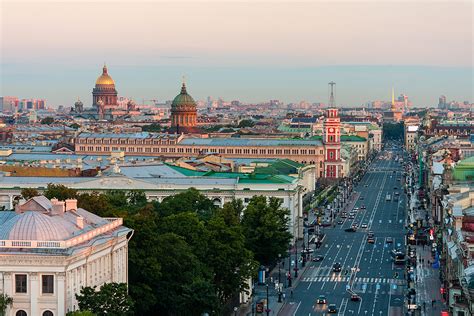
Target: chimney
(57,208)
(71,205)
(80,222)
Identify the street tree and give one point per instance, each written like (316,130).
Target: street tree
(28,193)
(231,262)
(111,299)
(60,192)
(5,302)
(265,227)
(189,201)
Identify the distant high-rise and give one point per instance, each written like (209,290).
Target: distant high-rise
(442,102)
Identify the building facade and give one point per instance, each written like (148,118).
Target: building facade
(49,249)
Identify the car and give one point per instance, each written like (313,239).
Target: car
(366,185)
(364,225)
(318,258)
(351,216)
(361,197)
(350,230)
(370,240)
(336,267)
(332,309)
(326,224)
(340,222)
(321,299)
(389,240)
(307,250)
(355,297)
(363,207)
(343,216)
(395,188)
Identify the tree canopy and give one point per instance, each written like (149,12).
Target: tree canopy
(187,256)
(111,299)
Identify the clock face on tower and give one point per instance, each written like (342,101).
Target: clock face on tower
(331,130)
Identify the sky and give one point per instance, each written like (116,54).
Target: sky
(251,51)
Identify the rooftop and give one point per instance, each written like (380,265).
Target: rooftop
(255,142)
(142,135)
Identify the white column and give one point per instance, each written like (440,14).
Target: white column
(11,201)
(34,293)
(61,289)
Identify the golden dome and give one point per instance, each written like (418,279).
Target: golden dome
(105,79)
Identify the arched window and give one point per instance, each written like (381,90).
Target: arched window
(48,313)
(21,313)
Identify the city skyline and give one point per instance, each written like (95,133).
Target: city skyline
(249,52)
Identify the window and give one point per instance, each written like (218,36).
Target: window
(47,282)
(20,283)
(21,313)
(48,313)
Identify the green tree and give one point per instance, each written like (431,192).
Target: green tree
(47,120)
(80,313)
(28,193)
(75,126)
(5,302)
(231,262)
(96,203)
(189,201)
(144,265)
(246,123)
(111,299)
(60,192)
(265,227)
(153,128)
(136,198)
(181,271)
(393,130)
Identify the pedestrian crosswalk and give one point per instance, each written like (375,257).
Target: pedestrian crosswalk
(339,278)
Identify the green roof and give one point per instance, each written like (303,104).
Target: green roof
(242,177)
(281,166)
(464,170)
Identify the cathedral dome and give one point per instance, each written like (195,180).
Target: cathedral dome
(104,79)
(33,225)
(183,99)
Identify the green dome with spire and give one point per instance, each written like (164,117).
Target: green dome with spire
(183,99)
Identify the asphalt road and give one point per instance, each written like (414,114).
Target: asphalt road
(371,272)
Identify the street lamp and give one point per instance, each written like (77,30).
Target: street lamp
(289,266)
(235,311)
(279,278)
(296,260)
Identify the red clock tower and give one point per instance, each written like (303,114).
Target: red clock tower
(332,140)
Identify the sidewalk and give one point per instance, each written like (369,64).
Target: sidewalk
(428,284)
(260,291)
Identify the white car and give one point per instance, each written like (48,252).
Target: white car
(364,225)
